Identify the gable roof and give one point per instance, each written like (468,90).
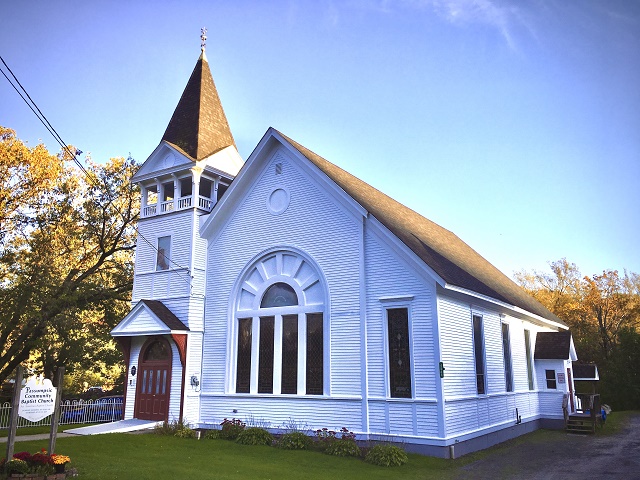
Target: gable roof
(452,259)
(149,317)
(161,311)
(553,345)
(585,371)
(199,126)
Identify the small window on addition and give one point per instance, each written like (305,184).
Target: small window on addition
(551,379)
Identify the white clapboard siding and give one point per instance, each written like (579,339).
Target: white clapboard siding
(191,411)
(388,276)
(136,345)
(279,412)
(456,347)
(313,223)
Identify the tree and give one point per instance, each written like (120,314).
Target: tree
(66,256)
(603,313)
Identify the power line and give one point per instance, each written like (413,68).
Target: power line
(73,155)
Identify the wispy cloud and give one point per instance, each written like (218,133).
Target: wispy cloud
(500,15)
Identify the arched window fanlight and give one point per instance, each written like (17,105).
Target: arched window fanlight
(158,350)
(279,295)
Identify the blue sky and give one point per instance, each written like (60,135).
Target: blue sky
(516,125)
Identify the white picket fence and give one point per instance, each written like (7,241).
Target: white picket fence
(101,410)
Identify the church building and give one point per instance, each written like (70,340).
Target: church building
(282,290)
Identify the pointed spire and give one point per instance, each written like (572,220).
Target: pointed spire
(199,126)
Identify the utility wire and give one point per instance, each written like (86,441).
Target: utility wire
(73,155)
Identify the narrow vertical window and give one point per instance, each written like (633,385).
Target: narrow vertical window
(506,354)
(243,374)
(164,253)
(527,351)
(399,355)
(551,378)
(289,354)
(265,355)
(478,348)
(315,354)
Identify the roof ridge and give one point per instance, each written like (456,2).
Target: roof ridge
(447,254)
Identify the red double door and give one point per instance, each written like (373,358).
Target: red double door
(154,382)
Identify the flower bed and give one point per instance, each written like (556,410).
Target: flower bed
(37,466)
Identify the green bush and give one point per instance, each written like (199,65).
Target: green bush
(16,466)
(231,428)
(386,456)
(344,447)
(294,441)
(212,434)
(176,428)
(254,436)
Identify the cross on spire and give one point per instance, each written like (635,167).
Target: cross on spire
(203,38)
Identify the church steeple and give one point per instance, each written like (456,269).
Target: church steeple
(199,126)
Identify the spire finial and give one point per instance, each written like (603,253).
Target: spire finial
(203,38)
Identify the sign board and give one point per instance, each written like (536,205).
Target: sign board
(37,399)
(560,377)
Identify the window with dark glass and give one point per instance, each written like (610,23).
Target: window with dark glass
(279,295)
(289,354)
(506,354)
(551,378)
(265,356)
(527,351)
(222,188)
(478,349)
(158,350)
(315,354)
(399,354)
(164,253)
(243,374)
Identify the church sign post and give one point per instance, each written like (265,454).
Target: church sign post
(38,399)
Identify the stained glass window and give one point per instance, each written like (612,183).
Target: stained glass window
(399,355)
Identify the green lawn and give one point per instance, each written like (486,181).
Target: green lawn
(155,457)
(42,429)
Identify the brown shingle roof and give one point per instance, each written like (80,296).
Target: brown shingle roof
(452,259)
(553,345)
(161,311)
(584,371)
(199,126)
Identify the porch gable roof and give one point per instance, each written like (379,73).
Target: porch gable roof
(149,317)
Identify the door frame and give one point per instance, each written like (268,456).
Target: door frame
(141,364)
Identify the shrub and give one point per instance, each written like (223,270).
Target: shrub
(254,436)
(386,456)
(325,437)
(294,441)
(212,434)
(176,428)
(16,466)
(231,428)
(344,447)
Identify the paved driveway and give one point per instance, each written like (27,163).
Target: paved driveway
(565,457)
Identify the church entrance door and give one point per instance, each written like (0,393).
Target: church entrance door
(154,381)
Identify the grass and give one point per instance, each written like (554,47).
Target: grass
(615,422)
(148,456)
(42,429)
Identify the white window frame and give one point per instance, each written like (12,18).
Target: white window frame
(255,312)
(390,303)
(484,353)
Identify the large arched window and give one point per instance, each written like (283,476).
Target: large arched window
(280,333)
